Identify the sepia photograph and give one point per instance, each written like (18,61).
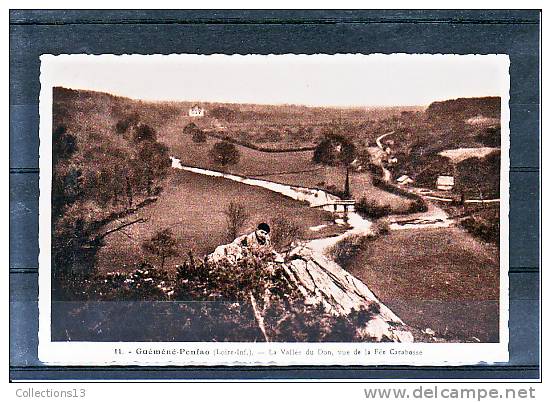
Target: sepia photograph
(348,208)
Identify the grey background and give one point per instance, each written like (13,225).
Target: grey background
(516,33)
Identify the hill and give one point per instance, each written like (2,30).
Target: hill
(466,126)
(465,108)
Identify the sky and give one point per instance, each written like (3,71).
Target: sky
(314,80)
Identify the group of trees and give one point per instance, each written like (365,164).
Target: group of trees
(479,177)
(96,179)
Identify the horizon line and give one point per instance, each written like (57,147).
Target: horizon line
(274,104)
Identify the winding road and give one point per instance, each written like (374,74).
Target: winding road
(379,139)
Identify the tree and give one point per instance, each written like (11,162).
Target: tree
(190,128)
(123,125)
(224,113)
(199,136)
(490,136)
(236,216)
(334,150)
(143,132)
(431,166)
(480,175)
(161,245)
(224,153)
(153,163)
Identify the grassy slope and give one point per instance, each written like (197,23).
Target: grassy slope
(277,167)
(192,206)
(441,279)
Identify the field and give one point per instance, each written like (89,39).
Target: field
(441,279)
(192,206)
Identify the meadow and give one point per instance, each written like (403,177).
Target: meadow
(442,279)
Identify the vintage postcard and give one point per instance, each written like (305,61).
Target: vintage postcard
(342,209)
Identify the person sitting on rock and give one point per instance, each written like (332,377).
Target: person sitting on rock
(260,237)
(236,250)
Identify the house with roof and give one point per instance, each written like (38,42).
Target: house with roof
(196,111)
(404,180)
(445,183)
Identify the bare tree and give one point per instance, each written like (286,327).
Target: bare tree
(284,232)
(236,216)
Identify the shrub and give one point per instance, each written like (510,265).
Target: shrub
(416,206)
(161,245)
(486,229)
(123,125)
(143,132)
(344,251)
(371,209)
(236,216)
(381,227)
(64,144)
(208,302)
(190,128)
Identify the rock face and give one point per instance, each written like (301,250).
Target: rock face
(321,280)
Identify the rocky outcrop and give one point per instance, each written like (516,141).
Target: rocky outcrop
(321,281)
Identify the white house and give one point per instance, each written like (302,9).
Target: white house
(404,180)
(196,111)
(445,183)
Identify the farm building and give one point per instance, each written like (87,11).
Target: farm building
(445,182)
(404,180)
(196,111)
